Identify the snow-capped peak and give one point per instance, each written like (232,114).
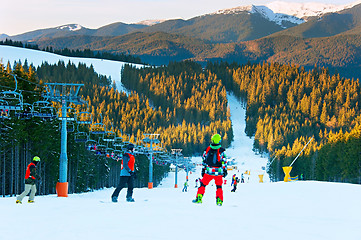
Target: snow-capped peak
(304,10)
(70,27)
(266,12)
(297,13)
(278,18)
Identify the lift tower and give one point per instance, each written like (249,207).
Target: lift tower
(66,94)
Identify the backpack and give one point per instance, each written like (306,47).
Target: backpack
(212,158)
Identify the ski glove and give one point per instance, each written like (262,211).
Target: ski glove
(225,173)
(133,174)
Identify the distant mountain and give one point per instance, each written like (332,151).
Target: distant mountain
(117,29)
(114,29)
(60,31)
(228,25)
(224,27)
(3,36)
(347,21)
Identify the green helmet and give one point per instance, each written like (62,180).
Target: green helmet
(216,138)
(36,159)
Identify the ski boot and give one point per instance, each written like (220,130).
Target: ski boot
(31,201)
(219,201)
(18,202)
(114,199)
(130,199)
(198,199)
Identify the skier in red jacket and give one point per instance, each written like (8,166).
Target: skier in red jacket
(127,175)
(214,168)
(30,181)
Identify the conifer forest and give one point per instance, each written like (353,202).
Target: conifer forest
(186,103)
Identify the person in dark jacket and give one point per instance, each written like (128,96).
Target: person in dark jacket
(30,181)
(127,175)
(236,181)
(214,168)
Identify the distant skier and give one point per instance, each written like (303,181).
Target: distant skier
(30,181)
(233,179)
(242,178)
(214,168)
(236,181)
(185,188)
(127,175)
(196,183)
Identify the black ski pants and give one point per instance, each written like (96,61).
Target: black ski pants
(122,182)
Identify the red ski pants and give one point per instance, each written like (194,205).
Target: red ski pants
(205,181)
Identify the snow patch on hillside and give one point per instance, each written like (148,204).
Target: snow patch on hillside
(70,27)
(309,9)
(151,22)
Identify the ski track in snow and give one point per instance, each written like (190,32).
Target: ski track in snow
(297,210)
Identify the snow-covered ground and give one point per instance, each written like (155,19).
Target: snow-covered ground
(295,210)
(108,68)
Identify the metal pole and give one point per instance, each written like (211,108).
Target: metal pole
(176,170)
(63,154)
(150,184)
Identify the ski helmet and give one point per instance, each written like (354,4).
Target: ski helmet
(216,138)
(36,159)
(130,146)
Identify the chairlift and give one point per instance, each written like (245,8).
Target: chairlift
(109,152)
(109,136)
(4,114)
(80,137)
(70,127)
(70,114)
(26,113)
(118,142)
(98,128)
(100,149)
(43,109)
(11,100)
(85,118)
(91,145)
(118,153)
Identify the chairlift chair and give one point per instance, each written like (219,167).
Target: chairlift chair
(100,149)
(109,136)
(70,115)
(4,114)
(97,128)
(85,118)
(118,153)
(118,142)
(11,100)
(43,109)
(70,127)
(80,137)
(91,144)
(26,113)
(109,152)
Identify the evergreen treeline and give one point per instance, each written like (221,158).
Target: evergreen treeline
(193,102)
(87,53)
(21,139)
(287,105)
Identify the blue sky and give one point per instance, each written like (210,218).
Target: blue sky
(23,15)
